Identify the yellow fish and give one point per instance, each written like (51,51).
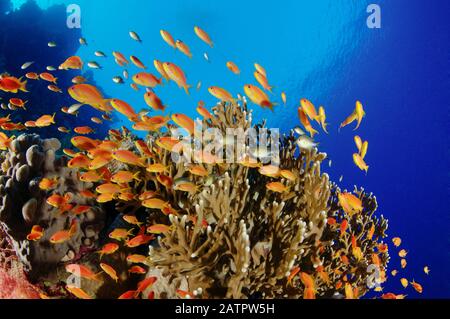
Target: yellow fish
(257,96)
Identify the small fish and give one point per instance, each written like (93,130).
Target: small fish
(158,229)
(94,65)
(32,76)
(54,88)
(139,240)
(233,67)
(120,58)
(137,62)
(260,69)
(183,47)
(48,77)
(305,122)
(146,283)
(277,187)
(394,272)
(177,75)
(117,80)
(46,120)
(403,263)
(137,259)
(79,79)
(82,41)
(206,56)
(417,287)
(37,232)
(26,65)
(341,178)
(132,220)
(426,270)
(131,294)
(203,36)
(100,54)
(96,120)
(258,96)
(48,184)
(138,270)
(397,241)
(402,253)
(167,37)
(81,271)
(221,94)
(108,249)
(299,131)
(262,80)
(50,68)
(120,234)
(51,44)
(360,163)
(135,36)
(78,292)
(125,74)
(110,271)
(404,282)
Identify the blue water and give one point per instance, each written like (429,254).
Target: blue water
(324,51)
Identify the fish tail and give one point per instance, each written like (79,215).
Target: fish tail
(186,89)
(23,85)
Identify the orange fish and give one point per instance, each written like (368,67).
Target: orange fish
(160,68)
(37,232)
(137,270)
(137,259)
(72,63)
(143,148)
(167,37)
(32,76)
(131,294)
(64,235)
(343,228)
(90,95)
(79,161)
(169,143)
(108,249)
(269,170)
(146,283)
(12,84)
(417,287)
(204,112)
(258,97)
(305,122)
(131,220)
(203,36)
(277,187)
(128,157)
(80,209)
(108,188)
(90,177)
(260,69)
(110,271)
(185,122)
(47,184)
(137,62)
(183,47)
(78,292)
(124,108)
(221,94)
(83,130)
(262,80)
(46,120)
(120,58)
(233,67)
(154,101)
(123,177)
(48,77)
(18,102)
(84,143)
(139,240)
(82,272)
(350,203)
(177,75)
(120,234)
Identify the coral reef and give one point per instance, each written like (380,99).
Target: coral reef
(225,234)
(23,204)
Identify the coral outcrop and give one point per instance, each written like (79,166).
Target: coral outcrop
(23,204)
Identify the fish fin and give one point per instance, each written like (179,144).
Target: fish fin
(186,89)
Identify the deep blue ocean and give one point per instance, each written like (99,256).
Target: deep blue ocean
(324,51)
